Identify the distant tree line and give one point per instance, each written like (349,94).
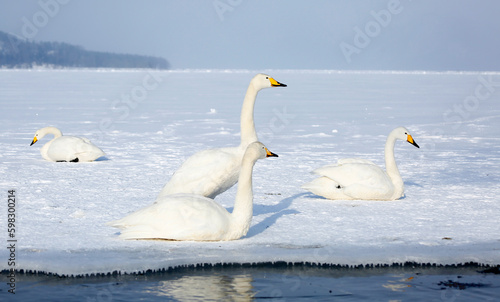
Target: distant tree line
(19,53)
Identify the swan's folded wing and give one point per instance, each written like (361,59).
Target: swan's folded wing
(359,180)
(208,173)
(89,152)
(177,217)
(64,148)
(369,192)
(345,161)
(326,187)
(68,148)
(348,174)
(335,168)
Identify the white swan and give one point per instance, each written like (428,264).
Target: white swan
(66,148)
(194,217)
(354,178)
(213,171)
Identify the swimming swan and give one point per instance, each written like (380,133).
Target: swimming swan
(194,217)
(354,178)
(66,148)
(213,171)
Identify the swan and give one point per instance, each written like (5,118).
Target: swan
(66,148)
(213,171)
(193,217)
(354,178)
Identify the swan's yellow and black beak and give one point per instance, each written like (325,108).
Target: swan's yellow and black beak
(34,141)
(411,141)
(270,154)
(275,83)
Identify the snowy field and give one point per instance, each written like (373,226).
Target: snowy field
(148,123)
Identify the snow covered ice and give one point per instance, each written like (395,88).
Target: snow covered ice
(149,122)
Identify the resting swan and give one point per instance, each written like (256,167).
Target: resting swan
(213,171)
(66,148)
(354,178)
(194,217)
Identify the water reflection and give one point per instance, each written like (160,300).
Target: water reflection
(398,285)
(216,287)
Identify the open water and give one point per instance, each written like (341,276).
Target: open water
(268,282)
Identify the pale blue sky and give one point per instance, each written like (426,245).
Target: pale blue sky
(263,34)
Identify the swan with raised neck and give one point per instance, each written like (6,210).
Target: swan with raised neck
(213,171)
(354,178)
(193,217)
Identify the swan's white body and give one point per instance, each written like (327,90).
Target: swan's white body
(354,178)
(66,148)
(185,216)
(213,171)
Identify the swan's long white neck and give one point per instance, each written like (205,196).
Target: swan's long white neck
(243,205)
(45,148)
(392,168)
(248,133)
(50,130)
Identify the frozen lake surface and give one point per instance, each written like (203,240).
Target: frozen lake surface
(149,122)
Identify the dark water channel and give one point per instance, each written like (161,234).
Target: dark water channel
(268,282)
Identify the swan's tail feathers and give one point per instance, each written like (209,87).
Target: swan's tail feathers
(122,223)
(134,231)
(137,232)
(325,187)
(90,155)
(116,224)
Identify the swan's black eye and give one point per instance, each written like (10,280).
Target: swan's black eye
(267,78)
